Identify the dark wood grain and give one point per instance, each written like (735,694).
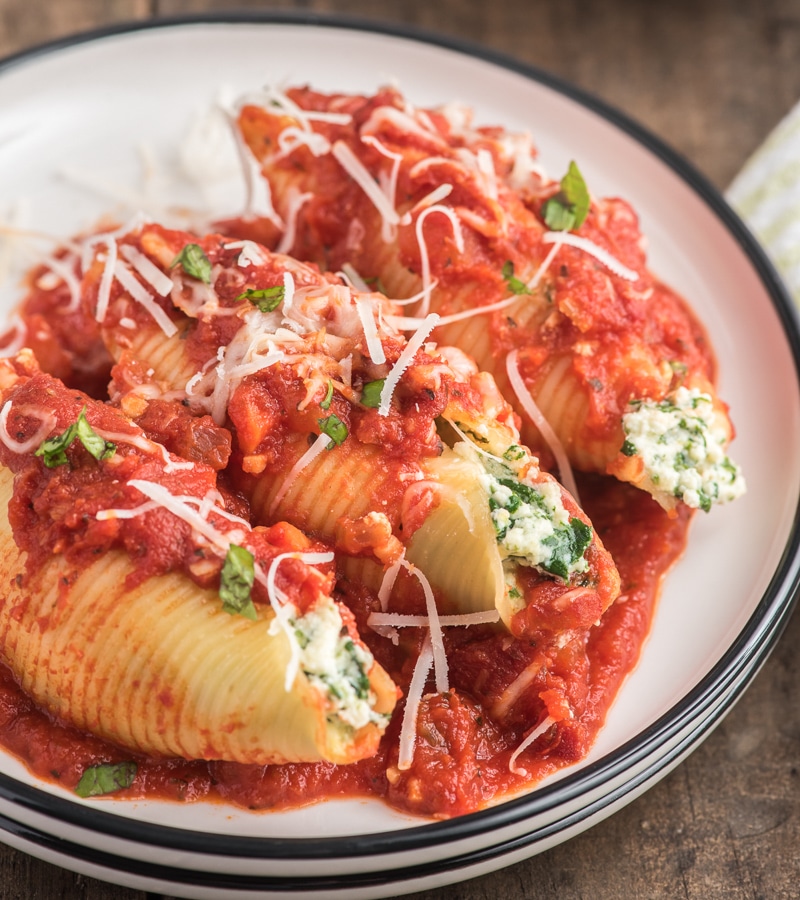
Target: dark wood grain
(711,77)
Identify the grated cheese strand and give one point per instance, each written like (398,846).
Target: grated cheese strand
(404,361)
(533,736)
(104,288)
(320,444)
(361,175)
(67,274)
(142,296)
(295,202)
(434,629)
(181,509)
(407,323)
(404,620)
(390,185)
(408,730)
(281,607)
(582,243)
(425,264)
(545,429)
(387,584)
(366,315)
(48,422)
(147,269)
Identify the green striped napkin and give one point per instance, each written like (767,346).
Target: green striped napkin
(766,194)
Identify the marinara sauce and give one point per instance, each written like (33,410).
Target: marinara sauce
(465,738)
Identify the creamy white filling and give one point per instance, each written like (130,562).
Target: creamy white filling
(683,449)
(335,664)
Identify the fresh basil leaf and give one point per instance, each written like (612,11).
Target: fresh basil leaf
(194,262)
(514,284)
(54,450)
(557,215)
(326,403)
(371,393)
(236,582)
(568,209)
(265,299)
(334,427)
(105,779)
(576,192)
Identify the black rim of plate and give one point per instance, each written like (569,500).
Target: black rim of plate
(736,668)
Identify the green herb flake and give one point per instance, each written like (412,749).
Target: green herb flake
(514,284)
(326,403)
(514,453)
(54,450)
(568,544)
(236,582)
(628,449)
(266,300)
(105,779)
(334,427)
(371,393)
(567,210)
(194,262)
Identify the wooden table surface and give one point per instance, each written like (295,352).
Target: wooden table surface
(711,77)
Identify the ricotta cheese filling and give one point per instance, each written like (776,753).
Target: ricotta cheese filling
(683,448)
(532,526)
(335,665)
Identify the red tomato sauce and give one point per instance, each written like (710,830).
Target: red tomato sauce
(465,738)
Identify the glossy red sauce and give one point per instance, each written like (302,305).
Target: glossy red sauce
(464,743)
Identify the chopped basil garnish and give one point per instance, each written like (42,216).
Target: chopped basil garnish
(514,284)
(265,299)
(54,450)
(105,779)
(326,403)
(371,393)
(194,262)
(628,448)
(334,427)
(568,208)
(236,582)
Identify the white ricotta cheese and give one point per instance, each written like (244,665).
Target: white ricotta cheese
(683,449)
(335,664)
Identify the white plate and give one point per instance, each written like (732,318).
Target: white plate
(89,107)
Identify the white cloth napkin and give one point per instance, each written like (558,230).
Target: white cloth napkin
(766,194)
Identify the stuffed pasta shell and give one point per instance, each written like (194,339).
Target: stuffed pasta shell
(544,285)
(387,446)
(142,607)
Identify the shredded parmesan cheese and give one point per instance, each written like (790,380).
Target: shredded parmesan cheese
(404,361)
(142,296)
(66,273)
(374,345)
(361,175)
(408,730)
(104,288)
(147,269)
(48,422)
(434,629)
(427,287)
(403,620)
(545,429)
(281,607)
(408,323)
(321,443)
(582,243)
(295,202)
(533,736)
